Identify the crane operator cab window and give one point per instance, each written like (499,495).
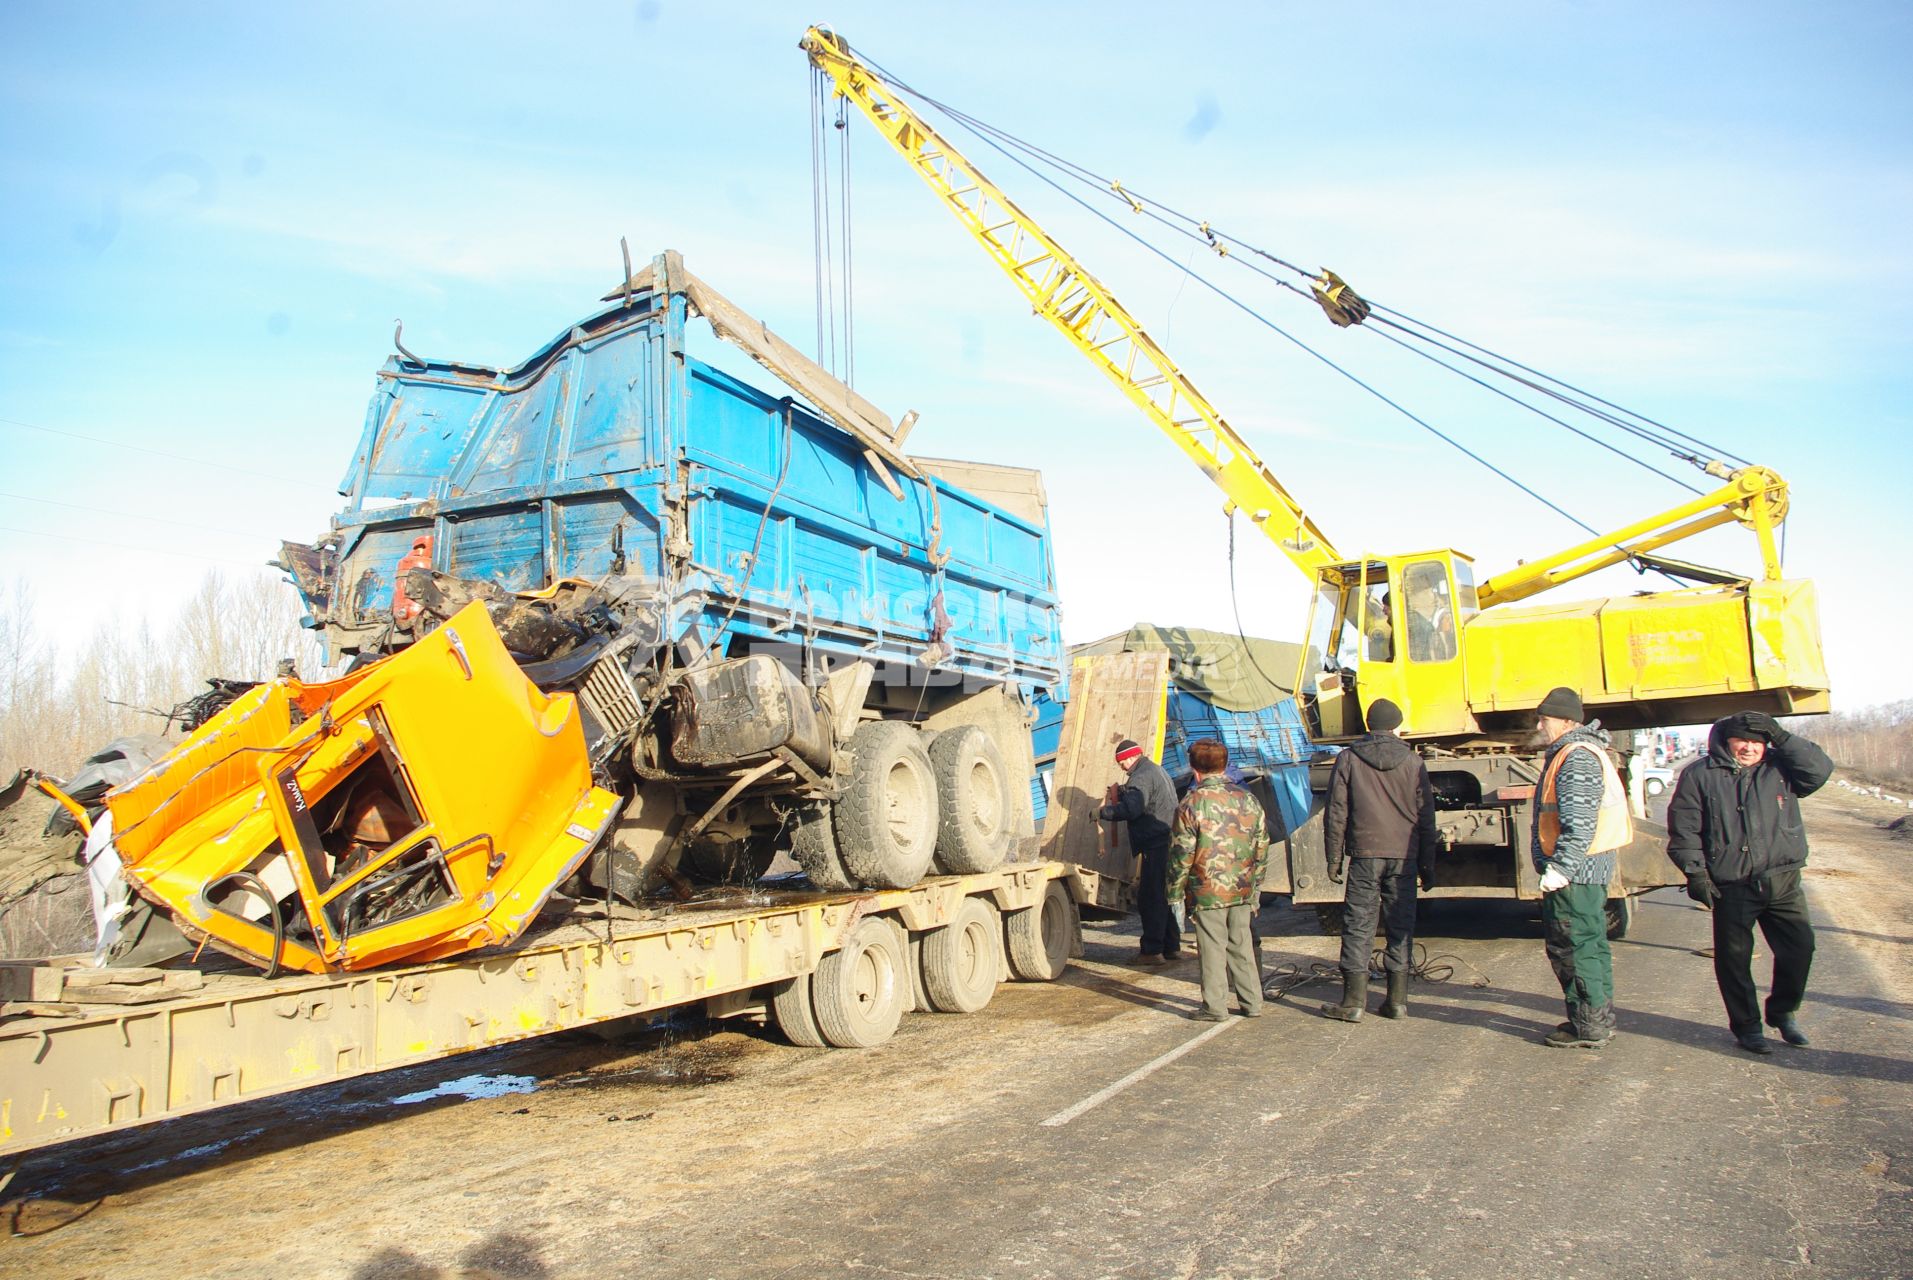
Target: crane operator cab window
(1431,612)
(1351,622)
(1378,627)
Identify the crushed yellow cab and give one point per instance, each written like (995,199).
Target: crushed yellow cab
(420,807)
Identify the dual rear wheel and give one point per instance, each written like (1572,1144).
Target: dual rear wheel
(905,807)
(858,993)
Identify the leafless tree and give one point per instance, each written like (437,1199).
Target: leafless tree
(128,674)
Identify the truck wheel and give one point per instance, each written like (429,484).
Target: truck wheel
(1332,916)
(796,1018)
(973,801)
(813,846)
(1620,914)
(886,818)
(858,989)
(961,960)
(1041,938)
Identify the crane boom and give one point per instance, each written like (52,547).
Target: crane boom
(1066,294)
(1415,628)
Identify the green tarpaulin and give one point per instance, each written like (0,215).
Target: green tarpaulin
(1213,665)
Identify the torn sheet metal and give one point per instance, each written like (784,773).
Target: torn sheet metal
(424,805)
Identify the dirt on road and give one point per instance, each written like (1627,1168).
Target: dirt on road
(1088,1128)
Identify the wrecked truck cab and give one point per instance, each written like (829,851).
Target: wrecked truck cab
(422,806)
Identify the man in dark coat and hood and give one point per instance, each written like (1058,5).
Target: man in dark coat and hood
(1735,831)
(1380,823)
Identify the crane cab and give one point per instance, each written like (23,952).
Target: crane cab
(1389,627)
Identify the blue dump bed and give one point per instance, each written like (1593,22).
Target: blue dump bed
(613,453)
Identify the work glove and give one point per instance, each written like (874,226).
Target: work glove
(1335,870)
(1757,724)
(1700,887)
(1427,879)
(1552,881)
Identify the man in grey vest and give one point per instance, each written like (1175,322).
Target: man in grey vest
(1147,802)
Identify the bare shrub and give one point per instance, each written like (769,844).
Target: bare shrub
(1876,742)
(127,675)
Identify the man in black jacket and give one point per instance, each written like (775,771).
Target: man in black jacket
(1735,831)
(1380,817)
(1147,802)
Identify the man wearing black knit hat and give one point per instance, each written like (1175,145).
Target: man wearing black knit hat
(1147,802)
(1380,822)
(1734,829)
(1581,820)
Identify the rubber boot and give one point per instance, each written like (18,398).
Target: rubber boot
(1354,998)
(1396,1006)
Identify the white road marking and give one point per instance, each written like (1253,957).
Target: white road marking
(1101,1096)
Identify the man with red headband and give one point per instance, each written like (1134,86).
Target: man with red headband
(1147,802)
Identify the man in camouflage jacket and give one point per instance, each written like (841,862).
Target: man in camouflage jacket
(1217,847)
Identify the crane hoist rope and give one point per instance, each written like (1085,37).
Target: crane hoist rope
(1339,302)
(1303,548)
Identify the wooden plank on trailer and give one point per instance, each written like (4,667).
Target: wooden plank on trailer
(1112,696)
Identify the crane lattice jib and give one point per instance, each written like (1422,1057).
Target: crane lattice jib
(1078,304)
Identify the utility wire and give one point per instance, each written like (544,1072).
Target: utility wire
(128,546)
(130,515)
(160,453)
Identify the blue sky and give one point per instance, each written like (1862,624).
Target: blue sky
(214,213)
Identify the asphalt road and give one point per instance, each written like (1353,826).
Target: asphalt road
(1089,1128)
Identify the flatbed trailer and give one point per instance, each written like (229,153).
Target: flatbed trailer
(833,969)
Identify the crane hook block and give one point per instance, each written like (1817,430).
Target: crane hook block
(1343,305)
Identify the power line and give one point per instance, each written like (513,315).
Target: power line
(128,546)
(130,515)
(160,453)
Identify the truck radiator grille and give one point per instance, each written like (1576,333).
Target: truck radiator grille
(609,696)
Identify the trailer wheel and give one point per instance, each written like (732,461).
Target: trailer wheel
(1620,915)
(1333,917)
(962,959)
(796,1018)
(858,990)
(1040,939)
(973,801)
(886,818)
(813,846)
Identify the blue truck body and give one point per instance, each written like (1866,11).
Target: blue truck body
(741,586)
(612,450)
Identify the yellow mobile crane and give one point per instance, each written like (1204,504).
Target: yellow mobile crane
(1465,665)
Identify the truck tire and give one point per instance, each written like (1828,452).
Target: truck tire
(796,1018)
(962,959)
(1332,916)
(859,990)
(973,801)
(886,818)
(813,846)
(1620,915)
(1041,939)
(913,965)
